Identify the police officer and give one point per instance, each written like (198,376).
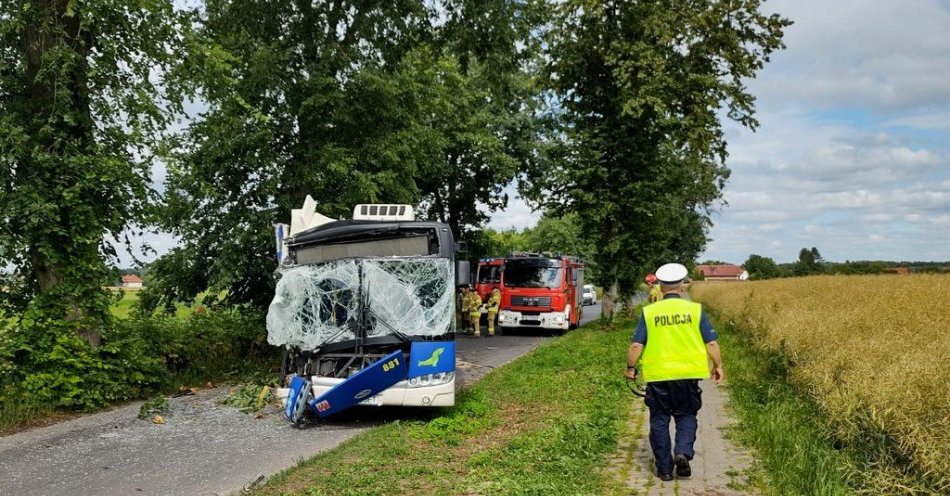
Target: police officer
(494,302)
(674,341)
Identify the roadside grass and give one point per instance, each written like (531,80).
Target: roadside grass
(16,416)
(796,452)
(122,309)
(544,424)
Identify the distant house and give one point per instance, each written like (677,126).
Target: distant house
(725,272)
(131,281)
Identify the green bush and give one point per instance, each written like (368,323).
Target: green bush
(51,365)
(43,360)
(206,344)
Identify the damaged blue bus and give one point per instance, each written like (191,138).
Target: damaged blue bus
(365,309)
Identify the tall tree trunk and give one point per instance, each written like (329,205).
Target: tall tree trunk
(65,264)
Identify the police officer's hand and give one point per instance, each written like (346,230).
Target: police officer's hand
(717,375)
(631,374)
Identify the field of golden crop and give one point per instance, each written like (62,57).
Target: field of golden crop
(874,354)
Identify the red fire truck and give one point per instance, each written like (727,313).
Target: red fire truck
(541,290)
(488,276)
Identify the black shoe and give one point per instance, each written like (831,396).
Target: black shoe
(682,466)
(664,477)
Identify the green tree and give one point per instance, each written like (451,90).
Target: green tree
(501,243)
(302,99)
(84,99)
(640,86)
(809,262)
(562,235)
(479,145)
(760,267)
(351,102)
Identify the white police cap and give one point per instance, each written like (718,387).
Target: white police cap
(671,273)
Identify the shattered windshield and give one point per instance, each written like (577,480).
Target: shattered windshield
(319,304)
(533,274)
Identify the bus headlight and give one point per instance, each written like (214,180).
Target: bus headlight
(432,379)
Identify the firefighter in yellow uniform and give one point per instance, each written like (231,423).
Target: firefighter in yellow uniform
(674,341)
(655,294)
(473,305)
(494,302)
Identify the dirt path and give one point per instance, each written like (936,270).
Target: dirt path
(719,467)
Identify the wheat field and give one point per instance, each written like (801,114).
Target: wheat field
(872,351)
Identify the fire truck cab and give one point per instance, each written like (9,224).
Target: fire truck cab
(488,276)
(541,290)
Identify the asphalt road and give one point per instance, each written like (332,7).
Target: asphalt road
(205,448)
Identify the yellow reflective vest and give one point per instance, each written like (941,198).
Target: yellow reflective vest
(675,347)
(494,301)
(656,294)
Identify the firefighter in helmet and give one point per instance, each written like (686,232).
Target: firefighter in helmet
(494,302)
(655,293)
(472,306)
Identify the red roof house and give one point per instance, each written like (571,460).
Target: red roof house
(725,272)
(131,281)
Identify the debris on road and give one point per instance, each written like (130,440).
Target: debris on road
(158,404)
(249,398)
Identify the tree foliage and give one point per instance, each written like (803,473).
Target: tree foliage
(501,243)
(641,86)
(84,98)
(809,262)
(80,108)
(760,267)
(350,102)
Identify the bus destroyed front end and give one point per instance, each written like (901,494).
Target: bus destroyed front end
(371,330)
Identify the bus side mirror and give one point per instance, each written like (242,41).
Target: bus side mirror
(463,273)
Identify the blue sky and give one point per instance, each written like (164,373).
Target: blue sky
(852,155)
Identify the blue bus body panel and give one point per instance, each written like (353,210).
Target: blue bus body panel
(364,384)
(430,357)
(298,398)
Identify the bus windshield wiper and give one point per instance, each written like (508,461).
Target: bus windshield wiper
(398,334)
(370,312)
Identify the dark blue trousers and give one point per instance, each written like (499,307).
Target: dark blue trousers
(681,401)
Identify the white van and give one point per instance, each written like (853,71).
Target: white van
(590,294)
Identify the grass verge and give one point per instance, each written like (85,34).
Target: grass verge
(544,424)
(796,451)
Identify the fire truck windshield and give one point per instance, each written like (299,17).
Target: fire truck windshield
(488,274)
(533,273)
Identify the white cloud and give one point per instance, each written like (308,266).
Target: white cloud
(880,55)
(935,120)
(852,155)
(517,215)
